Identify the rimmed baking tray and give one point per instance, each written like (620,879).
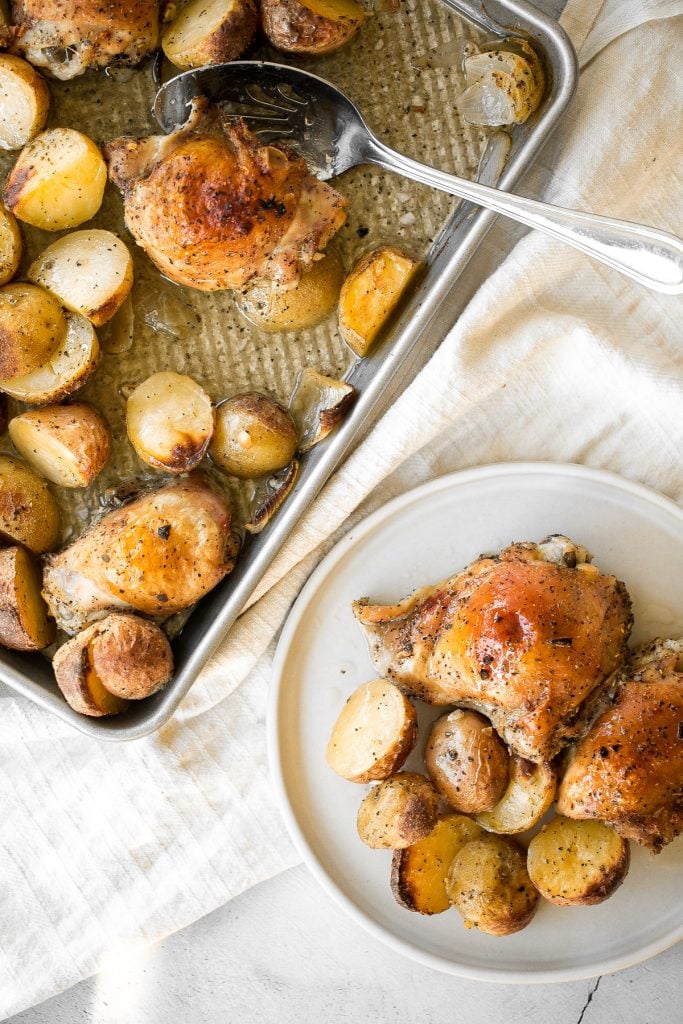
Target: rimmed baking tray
(404,71)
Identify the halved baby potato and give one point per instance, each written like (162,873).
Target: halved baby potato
(210,32)
(90,272)
(254,436)
(29,513)
(10,245)
(116,660)
(374,733)
(24,102)
(398,812)
(303,305)
(310,26)
(24,622)
(65,371)
(67,444)
(467,761)
(58,180)
(529,794)
(488,883)
(318,405)
(32,327)
(418,873)
(577,863)
(370,294)
(170,422)
(3,412)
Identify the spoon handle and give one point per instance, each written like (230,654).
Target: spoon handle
(652,257)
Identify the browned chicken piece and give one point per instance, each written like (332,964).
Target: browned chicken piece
(156,555)
(628,769)
(214,208)
(527,637)
(66,37)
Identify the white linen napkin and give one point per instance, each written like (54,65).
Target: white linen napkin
(104,847)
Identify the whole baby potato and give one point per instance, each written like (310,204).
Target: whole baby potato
(253,436)
(309,301)
(467,761)
(32,326)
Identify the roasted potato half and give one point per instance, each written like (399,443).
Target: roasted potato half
(370,294)
(25,102)
(169,419)
(418,873)
(374,733)
(32,327)
(90,272)
(210,32)
(529,794)
(398,812)
(488,883)
(58,180)
(467,761)
(64,372)
(24,623)
(3,412)
(309,301)
(310,26)
(29,513)
(119,659)
(10,245)
(254,436)
(577,863)
(67,444)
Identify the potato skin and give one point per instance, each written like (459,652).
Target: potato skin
(32,326)
(304,305)
(228,41)
(3,412)
(467,761)
(554,851)
(11,245)
(29,513)
(398,812)
(489,884)
(79,428)
(24,625)
(253,436)
(293,27)
(66,371)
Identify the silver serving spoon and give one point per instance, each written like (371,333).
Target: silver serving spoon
(280,102)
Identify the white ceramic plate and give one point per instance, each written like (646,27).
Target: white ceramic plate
(421,537)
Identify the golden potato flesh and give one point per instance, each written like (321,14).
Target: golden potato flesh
(254,436)
(489,884)
(65,371)
(29,513)
(370,294)
(24,624)
(418,873)
(58,180)
(210,32)
(169,419)
(374,733)
(398,812)
(467,761)
(90,272)
(32,327)
(10,245)
(24,102)
(67,444)
(310,26)
(577,863)
(303,305)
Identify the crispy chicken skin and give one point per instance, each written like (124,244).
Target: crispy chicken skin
(156,555)
(527,637)
(628,769)
(65,37)
(213,209)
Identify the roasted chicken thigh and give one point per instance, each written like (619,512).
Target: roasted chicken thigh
(65,37)
(628,769)
(526,637)
(157,554)
(213,208)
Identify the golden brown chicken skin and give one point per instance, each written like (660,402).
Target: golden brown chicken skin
(628,769)
(213,209)
(525,637)
(66,37)
(157,555)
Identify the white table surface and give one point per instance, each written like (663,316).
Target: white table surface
(284,952)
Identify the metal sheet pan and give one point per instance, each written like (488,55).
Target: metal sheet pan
(404,71)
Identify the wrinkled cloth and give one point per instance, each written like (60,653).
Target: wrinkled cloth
(105,846)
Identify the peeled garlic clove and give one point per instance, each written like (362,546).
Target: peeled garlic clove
(318,405)
(269,497)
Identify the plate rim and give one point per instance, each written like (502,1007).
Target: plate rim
(354,536)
